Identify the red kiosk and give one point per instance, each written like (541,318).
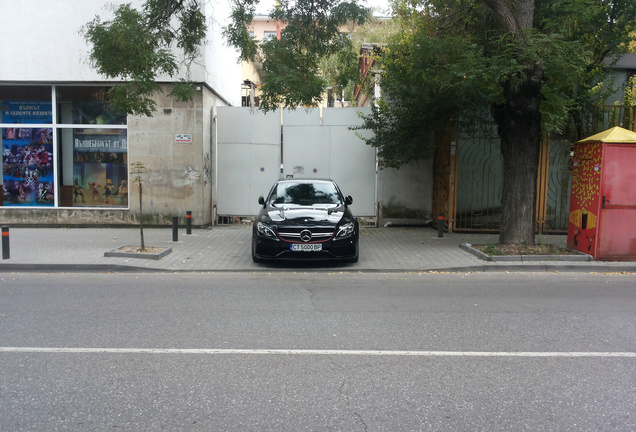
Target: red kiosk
(603,197)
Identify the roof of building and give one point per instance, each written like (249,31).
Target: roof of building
(626,61)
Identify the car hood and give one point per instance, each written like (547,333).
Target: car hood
(305,216)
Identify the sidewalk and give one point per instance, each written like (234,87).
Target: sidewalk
(227,248)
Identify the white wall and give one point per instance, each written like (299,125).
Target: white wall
(222,66)
(42,41)
(249,155)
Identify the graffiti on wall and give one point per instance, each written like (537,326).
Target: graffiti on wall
(586,174)
(586,179)
(191,176)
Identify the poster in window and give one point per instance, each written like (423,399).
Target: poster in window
(27,167)
(100,168)
(27,112)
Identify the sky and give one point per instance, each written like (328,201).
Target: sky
(265,6)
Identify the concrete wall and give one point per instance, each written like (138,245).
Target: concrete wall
(177,178)
(405,195)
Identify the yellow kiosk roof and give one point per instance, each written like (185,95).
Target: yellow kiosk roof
(613,135)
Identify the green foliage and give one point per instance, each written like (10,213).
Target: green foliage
(630,92)
(236,32)
(427,83)
(491,249)
(453,60)
(137,45)
(291,78)
(292,66)
(341,71)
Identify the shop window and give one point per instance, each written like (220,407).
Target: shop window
(81,160)
(93,167)
(86,105)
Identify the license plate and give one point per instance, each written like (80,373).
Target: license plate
(299,247)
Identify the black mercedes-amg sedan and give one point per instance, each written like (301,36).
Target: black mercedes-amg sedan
(306,219)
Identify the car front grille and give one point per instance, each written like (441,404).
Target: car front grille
(296,234)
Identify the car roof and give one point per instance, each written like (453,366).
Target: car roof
(305,180)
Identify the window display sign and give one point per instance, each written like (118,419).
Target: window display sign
(97,140)
(26,112)
(100,168)
(27,167)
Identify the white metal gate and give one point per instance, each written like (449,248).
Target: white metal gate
(249,158)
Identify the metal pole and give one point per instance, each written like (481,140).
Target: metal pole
(175,228)
(5,242)
(440,225)
(188,222)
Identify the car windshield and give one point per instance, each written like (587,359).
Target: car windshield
(312,194)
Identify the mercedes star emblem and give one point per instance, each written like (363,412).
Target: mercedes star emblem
(305,235)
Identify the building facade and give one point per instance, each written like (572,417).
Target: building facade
(66,158)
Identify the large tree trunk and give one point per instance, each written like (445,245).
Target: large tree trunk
(519,128)
(519,125)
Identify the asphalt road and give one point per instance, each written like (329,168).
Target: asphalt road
(317,351)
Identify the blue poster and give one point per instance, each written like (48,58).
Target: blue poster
(27,167)
(27,112)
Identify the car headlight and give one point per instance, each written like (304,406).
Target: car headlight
(265,230)
(345,230)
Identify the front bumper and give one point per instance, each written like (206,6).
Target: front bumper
(332,250)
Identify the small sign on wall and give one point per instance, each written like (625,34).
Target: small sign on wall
(183,138)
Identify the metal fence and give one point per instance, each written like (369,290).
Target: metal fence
(479,173)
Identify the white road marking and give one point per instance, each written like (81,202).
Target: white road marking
(48,350)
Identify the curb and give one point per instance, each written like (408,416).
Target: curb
(485,268)
(144,255)
(577,257)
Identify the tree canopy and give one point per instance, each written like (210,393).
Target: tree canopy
(528,65)
(454,60)
(136,46)
(341,71)
(291,66)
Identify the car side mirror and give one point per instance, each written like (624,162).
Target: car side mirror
(348,200)
(261,201)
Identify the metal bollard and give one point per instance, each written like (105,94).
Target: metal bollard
(188,222)
(440,225)
(5,242)
(175,228)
